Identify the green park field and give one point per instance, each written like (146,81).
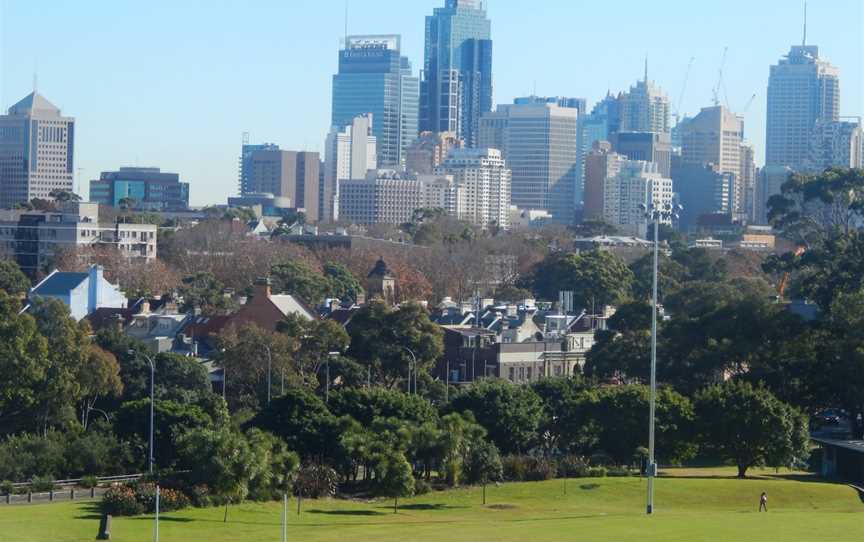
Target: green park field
(691,505)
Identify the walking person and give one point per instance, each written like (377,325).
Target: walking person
(763,502)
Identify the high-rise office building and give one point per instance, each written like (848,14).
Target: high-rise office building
(702,190)
(37,147)
(375,79)
(601,164)
(637,183)
(484,180)
(142,188)
(266,169)
(644,108)
(836,144)
(646,146)
(747,180)
(350,154)
(802,90)
(456,87)
(538,142)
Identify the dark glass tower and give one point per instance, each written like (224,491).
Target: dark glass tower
(375,79)
(456,87)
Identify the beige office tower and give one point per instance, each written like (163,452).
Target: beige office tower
(644,108)
(351,152)
(714,137)
(36,151)
(601,164)
(748,181)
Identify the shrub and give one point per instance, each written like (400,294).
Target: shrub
(120,500)
(618,472)
(421,486)
(316,481)
(41,484)
(597,472)
(514,468)
(7,487)
(572,466)
(200,496)
(89,481)
(539,469)
(169,499)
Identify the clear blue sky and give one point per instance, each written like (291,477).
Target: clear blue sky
(174,83)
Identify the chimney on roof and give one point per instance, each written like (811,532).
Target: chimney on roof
(262,287)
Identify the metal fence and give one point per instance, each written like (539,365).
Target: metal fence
(64,490)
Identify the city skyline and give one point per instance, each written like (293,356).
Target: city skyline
(177,97)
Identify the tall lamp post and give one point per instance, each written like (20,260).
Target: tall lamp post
(150,459)
(654,214)
(414,365)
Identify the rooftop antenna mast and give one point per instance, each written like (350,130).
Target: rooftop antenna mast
(804,39)
(646,68)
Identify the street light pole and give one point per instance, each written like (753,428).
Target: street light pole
(269,373)
(150,459)
(414,363)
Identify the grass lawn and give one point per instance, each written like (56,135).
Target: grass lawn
(691,504)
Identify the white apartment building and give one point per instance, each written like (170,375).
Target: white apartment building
(637,183)
(33,238)
(350,153)
(484,182)
(388,197)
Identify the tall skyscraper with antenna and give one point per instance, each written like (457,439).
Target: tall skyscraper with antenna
(803,89)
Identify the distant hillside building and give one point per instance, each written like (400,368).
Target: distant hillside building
(37,149)
(836,144)
(637,183)
(33,238)
(388,197)
(429,150)
(145,188)
(83,293)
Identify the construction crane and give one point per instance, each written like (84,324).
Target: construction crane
(716,90)
(683,89)
(749,103)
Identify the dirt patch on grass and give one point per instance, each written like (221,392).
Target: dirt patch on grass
(502,506)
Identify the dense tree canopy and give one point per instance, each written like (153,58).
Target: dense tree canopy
(596,278)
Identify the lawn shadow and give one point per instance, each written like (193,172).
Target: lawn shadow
(347,512)
(169,519)
(429,506)
(90,511)
(589,486)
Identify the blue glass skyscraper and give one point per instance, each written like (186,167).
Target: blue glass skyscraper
(375,79)
(456,85)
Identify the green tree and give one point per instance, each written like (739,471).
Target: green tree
(620,414)
(510,413)
(98,377)
(220,458)
(366,404)
(384,339)
(23,366)
(484,465)
(173,419)
(301,418)
(277,466)
(669,277)
(12,280)
(395,477)
(312,341)
(461,433)
(298,278)
(596,278)
(566,425)
(250,355)
(204,292)
(750,426)
(343,284)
